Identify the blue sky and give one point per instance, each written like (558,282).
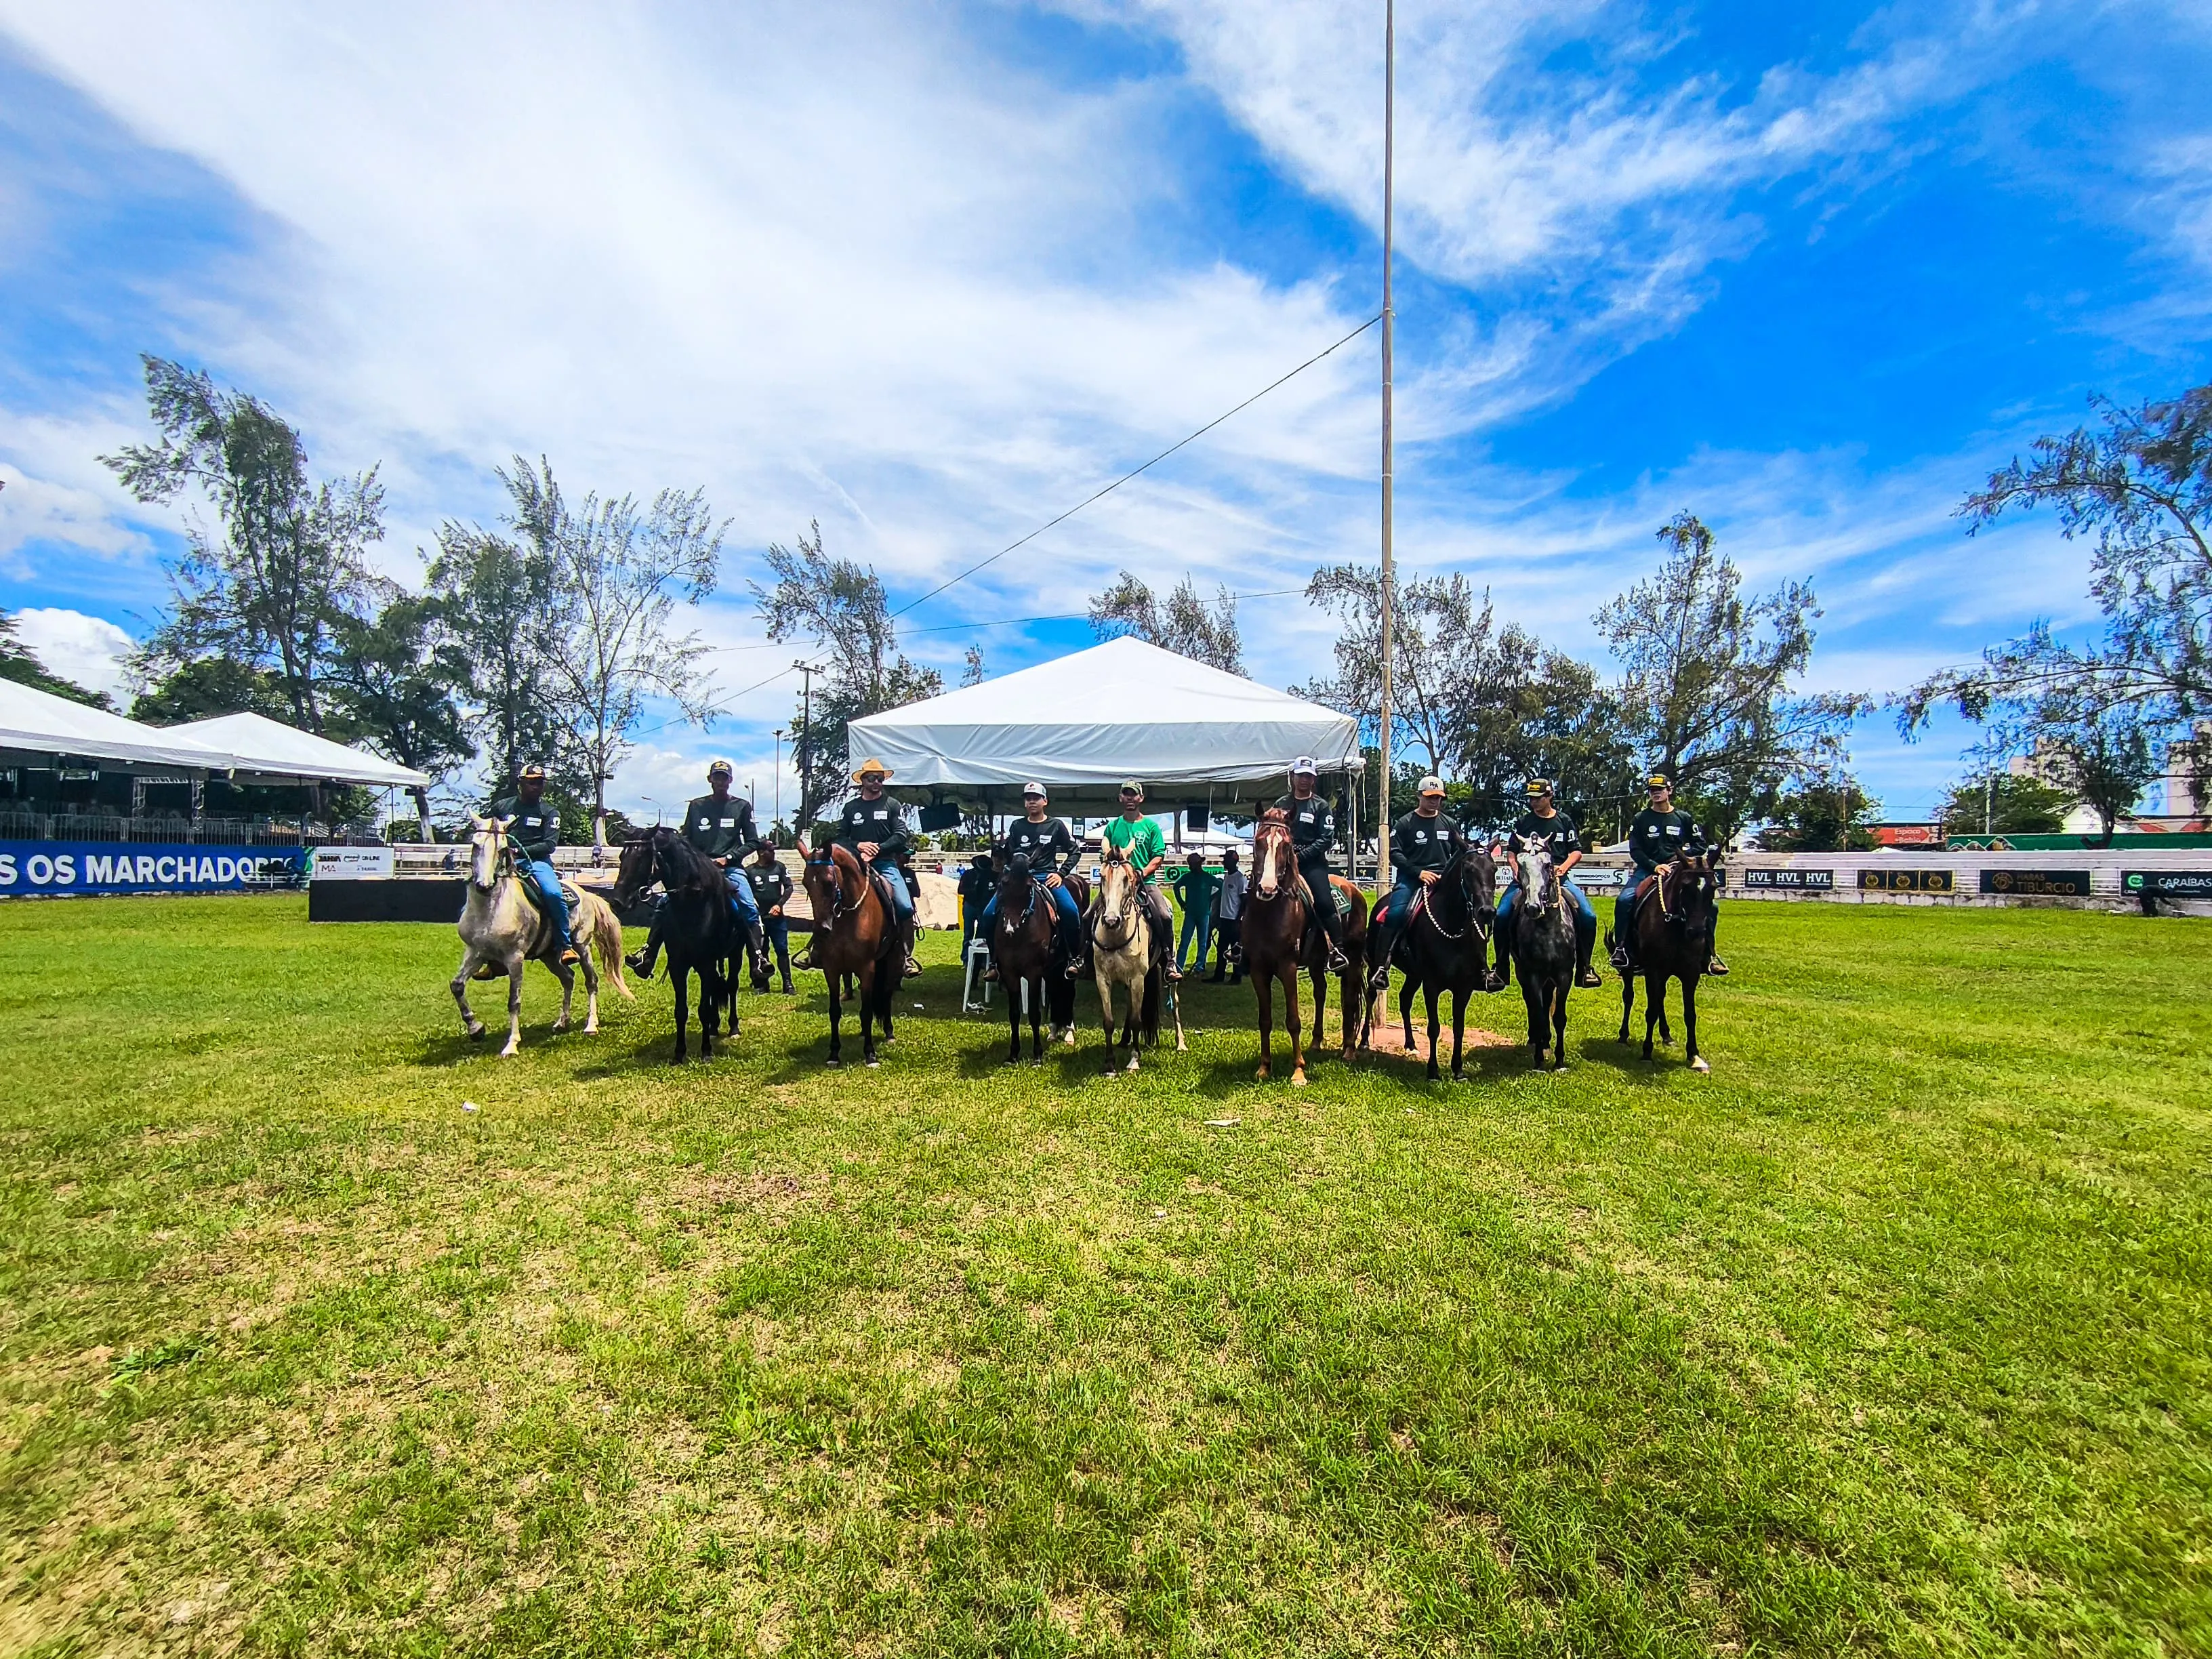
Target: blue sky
(929,273)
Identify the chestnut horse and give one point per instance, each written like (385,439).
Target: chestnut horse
(854,935)
(1274,937)
(1673,940)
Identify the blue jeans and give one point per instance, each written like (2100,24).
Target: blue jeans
(778,930)
(894,878)
(1071,919)
(742,898)
(1196,925)
(1585,917)
(1390,915)
(547,883)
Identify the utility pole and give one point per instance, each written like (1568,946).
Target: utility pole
(778,769)
(805,754)
(1390,569)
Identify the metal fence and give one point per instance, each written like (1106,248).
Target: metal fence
(175,828)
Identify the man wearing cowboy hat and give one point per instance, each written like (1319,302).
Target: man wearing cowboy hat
(1313,832)
(1658,833)
(1052,853)
(720,825)
(1140,839)
(534,829)
(872,828)
(1422,842)
(1544,821)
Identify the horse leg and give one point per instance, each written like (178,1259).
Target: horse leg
(1263,986)
(710,1003)
(1690,1020)
(1540,1018)
(1033,992)
(1559,1019)
(1406,989)
(567,978)
(1174,1006)
(679,977)
(1459,1032)
(1106,1012)
(1293,1027)
(1628,1002)
(1655,999)
(514,967)
(870,973)
(1133,1003)
(590,984)
(460,987)
(836,983)
(1429,991)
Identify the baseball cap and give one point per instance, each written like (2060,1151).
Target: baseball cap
(1432,785)
(1304,763)
(1032,787)
(1658,780)
(1131,786)
(534,769)
(1539,786)
(717,764)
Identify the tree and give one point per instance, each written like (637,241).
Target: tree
(1707,678)
(2105,752)
(494,605)
(1815,814)
(840,604)
(972,671)
(395,681)
(202,690)
(1186,624)
(616,574)
(19,663)
(289,562)
(1992,801)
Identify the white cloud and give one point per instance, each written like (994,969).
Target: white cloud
(89,650)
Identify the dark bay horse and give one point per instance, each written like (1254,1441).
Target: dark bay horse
(1274,937)
(699,930)
(1673,940)
(1353,982)
(854,934)
(1447,948)
(1543,949)
(1032,967)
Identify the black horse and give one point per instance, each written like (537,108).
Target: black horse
(1673,940)
(1543,949)
(699,930)
(1444,948)
(1032,966)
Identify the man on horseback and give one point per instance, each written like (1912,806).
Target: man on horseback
(1313,832)
(1053,853)
(872,829)
(721,825)
(1422,842)
(534,829)
(1544,821)
(1659,834)
(1140,839)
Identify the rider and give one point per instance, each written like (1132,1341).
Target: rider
(1053,853)
(771,885)
(1422,842)
(1139,838)
(872,828)
(534,830)
(720,825)
(1544,821)
(1658,833)
(1313,832)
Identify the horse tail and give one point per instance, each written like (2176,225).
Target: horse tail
(607,941)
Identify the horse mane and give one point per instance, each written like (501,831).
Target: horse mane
(1275,815)
(693,867)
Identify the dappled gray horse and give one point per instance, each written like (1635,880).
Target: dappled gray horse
(501,930)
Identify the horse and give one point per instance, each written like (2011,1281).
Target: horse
(501,929)
(698,929)
(1543,949)
(1032,967)
(855,935)
(1275,937)
(1447,946)
(1313,957)
(1121,940)
(1673,940)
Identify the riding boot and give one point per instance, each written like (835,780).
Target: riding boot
(641,961)
(1332,932)
(1585,975)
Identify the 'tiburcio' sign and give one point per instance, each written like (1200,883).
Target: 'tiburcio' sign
(83,867)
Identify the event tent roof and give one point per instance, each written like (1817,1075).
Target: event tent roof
(39,724)
(271,749)
(1082,723)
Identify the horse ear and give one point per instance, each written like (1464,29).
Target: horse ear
(500,824)
(478,821)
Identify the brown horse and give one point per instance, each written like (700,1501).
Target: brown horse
(1352,983)
(853,935)
(1673,940)
(1275,936)
(1025,944)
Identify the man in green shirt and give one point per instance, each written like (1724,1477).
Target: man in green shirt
(1140,839)
(1194,887)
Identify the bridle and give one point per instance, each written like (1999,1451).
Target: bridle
(502,858)
(1422,908)
(838,907)
(1120,919)
(1031,881)
(1548,896)
(1275,839)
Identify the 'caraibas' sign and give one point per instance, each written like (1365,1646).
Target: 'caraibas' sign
(81,867)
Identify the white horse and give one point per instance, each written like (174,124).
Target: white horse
(1122,954)
(501,930)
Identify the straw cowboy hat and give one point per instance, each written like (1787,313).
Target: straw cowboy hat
(870,764)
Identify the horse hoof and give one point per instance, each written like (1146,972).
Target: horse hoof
(833,1063)
(1262,1074)
(1698,1064)
(478,1035)
(874,1064)
(1298,1080)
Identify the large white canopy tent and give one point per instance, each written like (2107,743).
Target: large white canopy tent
(1081,723)
(269,752)
(39,729)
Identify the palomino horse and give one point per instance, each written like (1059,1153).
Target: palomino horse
(501,930)
(1447,947)
(1543,949)
(853,934)
(1122,954)
(698,929)
(1032,967)
(1274,937)
(1673,940)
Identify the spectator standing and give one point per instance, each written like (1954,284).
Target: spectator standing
(1195,888)
(1228,912)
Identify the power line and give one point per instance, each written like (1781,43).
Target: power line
(1133,471)
(1071,616)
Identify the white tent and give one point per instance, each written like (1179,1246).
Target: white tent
(1082,723)
(44,728)
(264,749)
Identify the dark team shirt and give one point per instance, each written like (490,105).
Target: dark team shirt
(976,886)
(882,821)
(536,830)
(1558,833)
(1047,846)
(1418,843)
(1313,826)
(721,829)
(1654,838)
(771,885)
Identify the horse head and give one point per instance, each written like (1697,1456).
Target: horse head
(1273,867)
(489,852)
(1692,895)
(1117,892)
(1472,878)
(637,867)
(1533,868)
(831,873)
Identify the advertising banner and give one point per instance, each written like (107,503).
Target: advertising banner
(2036,884)
(350,864)
(2167,884)
(1811,880)
(1905,881)
(83,867)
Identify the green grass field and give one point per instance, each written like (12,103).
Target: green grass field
(1891,1335)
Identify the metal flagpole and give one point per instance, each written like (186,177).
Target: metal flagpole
(1390,575)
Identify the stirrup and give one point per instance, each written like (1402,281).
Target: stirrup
(1716,968)
(1619,957)
(568,955)
(1587,978)
(637,963)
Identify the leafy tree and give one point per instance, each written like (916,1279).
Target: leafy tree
(19,663)
(396,681)
(1993,801)
(972,671)
(840,604)
(209,686)
(496,608)
(289,562)
(1829,814)
(1204,631)
(1707,678)
(2105,752)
